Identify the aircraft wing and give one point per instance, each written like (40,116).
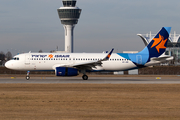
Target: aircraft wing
(86,65)
(92,64)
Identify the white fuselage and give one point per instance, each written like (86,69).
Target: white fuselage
(49,61)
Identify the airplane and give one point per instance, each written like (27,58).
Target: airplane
(71,64)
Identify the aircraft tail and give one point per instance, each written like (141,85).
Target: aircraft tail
(153,50)
(158,44)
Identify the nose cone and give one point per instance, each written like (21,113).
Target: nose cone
(7,64)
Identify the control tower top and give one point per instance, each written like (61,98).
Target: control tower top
(69,13)
(69,3)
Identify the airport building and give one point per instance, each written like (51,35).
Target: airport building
(69,15)
(173,45)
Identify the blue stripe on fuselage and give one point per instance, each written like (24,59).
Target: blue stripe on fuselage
(137,58)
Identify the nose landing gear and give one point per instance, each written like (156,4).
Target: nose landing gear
(27,76)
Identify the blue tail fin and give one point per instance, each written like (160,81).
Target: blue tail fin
(159,43)
(154,49)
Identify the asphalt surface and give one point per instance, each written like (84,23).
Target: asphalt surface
(92,80)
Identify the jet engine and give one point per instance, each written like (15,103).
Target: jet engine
(66,71)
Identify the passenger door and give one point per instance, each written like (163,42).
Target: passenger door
(139,59)
(27,60)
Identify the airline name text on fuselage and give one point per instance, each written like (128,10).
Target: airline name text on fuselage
(55,56)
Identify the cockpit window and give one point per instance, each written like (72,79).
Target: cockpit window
(15,58)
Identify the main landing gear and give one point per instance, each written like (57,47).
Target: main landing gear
(85,77)
(27,76)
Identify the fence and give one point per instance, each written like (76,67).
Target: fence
(160,70)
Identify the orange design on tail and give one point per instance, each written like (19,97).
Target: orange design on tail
(159,43)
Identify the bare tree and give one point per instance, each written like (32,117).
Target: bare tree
(40,51)
(52,51)
(8,55)
(2,58)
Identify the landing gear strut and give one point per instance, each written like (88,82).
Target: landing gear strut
(85,77)
(27,76)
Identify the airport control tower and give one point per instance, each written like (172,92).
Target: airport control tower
(69,15)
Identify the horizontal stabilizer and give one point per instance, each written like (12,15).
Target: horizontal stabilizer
(163,58)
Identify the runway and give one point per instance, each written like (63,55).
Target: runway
(92,80)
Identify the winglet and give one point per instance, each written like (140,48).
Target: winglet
(109,55)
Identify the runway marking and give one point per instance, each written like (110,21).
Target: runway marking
(92,80)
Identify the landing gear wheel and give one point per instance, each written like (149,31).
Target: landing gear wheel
(85,77)
(27,77)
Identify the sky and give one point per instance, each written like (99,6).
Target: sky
(33,25)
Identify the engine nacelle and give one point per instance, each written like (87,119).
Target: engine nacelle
(66,71)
